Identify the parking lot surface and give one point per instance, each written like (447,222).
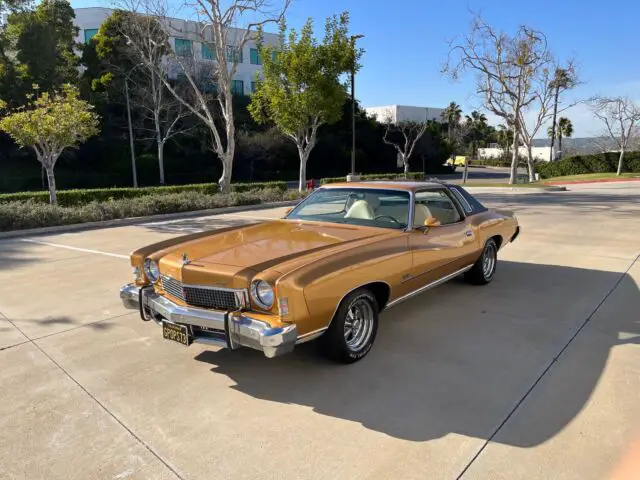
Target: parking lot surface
(534,376)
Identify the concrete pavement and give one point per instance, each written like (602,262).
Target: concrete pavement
(534,376)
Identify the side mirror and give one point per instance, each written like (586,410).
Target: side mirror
(430,222)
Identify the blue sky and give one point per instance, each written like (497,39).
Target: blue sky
(406,44)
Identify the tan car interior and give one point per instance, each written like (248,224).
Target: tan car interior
(369,208)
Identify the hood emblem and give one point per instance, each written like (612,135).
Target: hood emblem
(185,259)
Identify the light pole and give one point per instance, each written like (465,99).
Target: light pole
(131,146)
(353,104)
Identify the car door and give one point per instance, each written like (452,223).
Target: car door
(441,250)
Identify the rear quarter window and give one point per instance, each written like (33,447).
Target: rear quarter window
(468,202)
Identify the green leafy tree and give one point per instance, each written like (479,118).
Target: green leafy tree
(50,124)
(301,88)
(451,116)
(38,48)
(563,129)
(477,128)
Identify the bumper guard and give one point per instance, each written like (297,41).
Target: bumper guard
(227,329)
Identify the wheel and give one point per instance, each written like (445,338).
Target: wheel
(353,328)
(484,269)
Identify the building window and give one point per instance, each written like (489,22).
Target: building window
(254,86)
(237,87)
(207,51)
(255,56)
(184,47)
(234,54)
(89,33)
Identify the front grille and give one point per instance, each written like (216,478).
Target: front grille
(206,297)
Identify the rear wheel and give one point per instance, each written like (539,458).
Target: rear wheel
(353,328)
(484,269)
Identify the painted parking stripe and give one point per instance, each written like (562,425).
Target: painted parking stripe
(77,249)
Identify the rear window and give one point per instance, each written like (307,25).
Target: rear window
(468,202)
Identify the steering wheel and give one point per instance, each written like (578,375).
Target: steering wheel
(387,216)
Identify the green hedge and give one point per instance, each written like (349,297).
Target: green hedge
(377,176)
(581,164)
(34,214)
(69,198)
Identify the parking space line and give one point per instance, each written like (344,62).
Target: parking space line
(78,249)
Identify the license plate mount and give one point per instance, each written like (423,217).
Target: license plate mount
(176,333)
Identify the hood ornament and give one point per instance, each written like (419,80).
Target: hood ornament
(185,259)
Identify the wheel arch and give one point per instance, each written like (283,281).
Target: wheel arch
(380,289)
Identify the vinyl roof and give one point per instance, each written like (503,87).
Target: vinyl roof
(387,185)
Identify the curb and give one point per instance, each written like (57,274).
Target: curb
(123,222)
(551,188)
(602,180)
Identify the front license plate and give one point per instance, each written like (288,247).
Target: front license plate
(175,332)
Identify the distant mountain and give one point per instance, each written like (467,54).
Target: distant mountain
(576,146)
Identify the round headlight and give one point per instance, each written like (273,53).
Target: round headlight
(151,270)
(262,293)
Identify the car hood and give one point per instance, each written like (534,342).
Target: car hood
(260,246)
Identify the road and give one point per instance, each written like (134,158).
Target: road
(489,175)
(535,376)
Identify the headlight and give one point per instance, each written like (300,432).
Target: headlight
(262,294)
(151,270)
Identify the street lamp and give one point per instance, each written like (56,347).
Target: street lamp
(353,104)
(131,146)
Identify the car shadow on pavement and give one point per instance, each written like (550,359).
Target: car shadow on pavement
(458,359)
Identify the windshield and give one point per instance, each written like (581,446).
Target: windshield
(355,206)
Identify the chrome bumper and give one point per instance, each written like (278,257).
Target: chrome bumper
(224,329)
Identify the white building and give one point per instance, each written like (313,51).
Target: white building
(187,41)
(403,113)
(538,153)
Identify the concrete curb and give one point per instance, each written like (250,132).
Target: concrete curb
(520,189)
(123,222)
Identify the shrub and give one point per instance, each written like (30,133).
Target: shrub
(68,198)
(377,176)
(581,164)
(34,214)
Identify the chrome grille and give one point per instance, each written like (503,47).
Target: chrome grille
(173,287)
(206,297)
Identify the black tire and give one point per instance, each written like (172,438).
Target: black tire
(484,269)
(334,343)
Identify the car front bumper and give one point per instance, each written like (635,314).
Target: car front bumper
(224,329)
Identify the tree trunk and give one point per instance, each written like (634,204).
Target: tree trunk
(302,185)
(224,182)
(620,160)
(530,166)
(514,159)
(560,144)
(406,167)
(553,124)
(161,160)
(51,180)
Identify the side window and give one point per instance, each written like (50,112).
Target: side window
(436,204)
(470,200)
(463,201)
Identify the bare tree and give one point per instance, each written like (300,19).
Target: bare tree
(621,116)
(545,92)
(505,69)
(225,28)
(404,136)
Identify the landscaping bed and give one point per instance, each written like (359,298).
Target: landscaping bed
(20,215)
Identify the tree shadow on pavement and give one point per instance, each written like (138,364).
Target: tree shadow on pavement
(458,359)
(196,225)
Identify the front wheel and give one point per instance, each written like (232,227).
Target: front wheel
(484,269)
(353,328)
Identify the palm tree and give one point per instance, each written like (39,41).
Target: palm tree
(505,137)
(562,79)
(451,116)
(477,125)
(563,129)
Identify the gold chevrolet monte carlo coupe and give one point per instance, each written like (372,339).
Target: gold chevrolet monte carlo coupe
(327,269)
